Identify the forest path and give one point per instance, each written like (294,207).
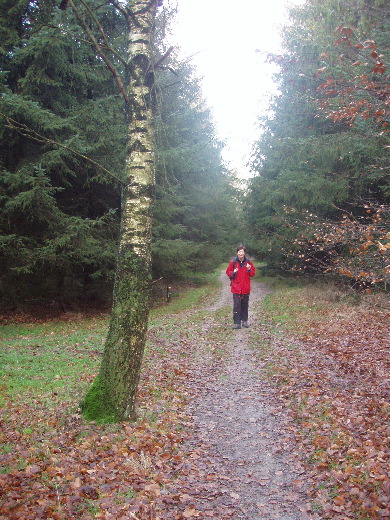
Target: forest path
(245,464)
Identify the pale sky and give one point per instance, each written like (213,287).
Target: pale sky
(225,37)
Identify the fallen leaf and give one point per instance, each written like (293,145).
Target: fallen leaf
(191,513)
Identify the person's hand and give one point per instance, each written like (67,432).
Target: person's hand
(235,270)
(248,266)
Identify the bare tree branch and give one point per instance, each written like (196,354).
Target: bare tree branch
(32,134)
(119,7)
(98,48)
(101,30)
(164,57)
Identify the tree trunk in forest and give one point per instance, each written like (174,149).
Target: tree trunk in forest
(111,397)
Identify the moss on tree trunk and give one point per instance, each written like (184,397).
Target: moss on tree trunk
(111,397)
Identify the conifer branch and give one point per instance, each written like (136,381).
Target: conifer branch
(107,45)
(83,40)
(119,8)
(68,33)
(98,48)
(26,131)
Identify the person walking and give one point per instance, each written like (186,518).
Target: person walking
(240,271)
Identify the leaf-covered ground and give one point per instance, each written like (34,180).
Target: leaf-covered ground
(335,380)
(305,435)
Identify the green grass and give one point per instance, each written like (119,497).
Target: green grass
(59,357)
(45,358)
(190,298)
(297,301)
(293,303)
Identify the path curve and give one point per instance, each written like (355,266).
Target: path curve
(240,434)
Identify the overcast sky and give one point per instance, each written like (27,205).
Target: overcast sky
(229,41)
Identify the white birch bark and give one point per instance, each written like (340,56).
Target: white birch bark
(112,395)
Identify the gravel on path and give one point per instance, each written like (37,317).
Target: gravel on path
(248,467)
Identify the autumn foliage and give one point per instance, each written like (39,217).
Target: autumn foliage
(55,465)
(319,202)
(364,94)
(355,248)
(333,377)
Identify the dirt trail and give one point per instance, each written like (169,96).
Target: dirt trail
(246,465)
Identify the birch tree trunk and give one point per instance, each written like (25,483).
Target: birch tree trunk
(111,397)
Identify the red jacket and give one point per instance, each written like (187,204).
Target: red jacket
(241,279)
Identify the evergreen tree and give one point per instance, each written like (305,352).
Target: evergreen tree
(55,99)
(312,169)
(62,116)
(194,195)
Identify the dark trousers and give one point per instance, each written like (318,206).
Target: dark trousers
(240,307)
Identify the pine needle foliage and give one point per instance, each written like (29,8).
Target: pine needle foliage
(319,164)
(63,143)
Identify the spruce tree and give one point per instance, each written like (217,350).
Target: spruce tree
(313,168)
(56,95)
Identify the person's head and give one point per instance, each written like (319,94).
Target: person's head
(241,252)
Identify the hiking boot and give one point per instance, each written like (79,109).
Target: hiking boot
(245,324)
(236,326)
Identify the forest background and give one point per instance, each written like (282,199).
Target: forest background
(318,203)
